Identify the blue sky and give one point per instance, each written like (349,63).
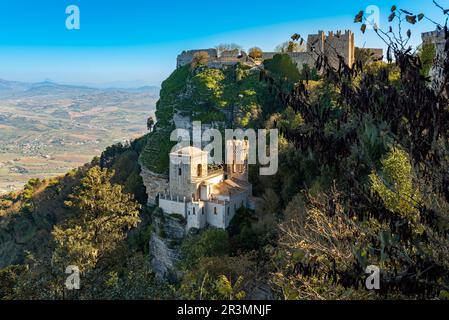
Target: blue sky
(139,40)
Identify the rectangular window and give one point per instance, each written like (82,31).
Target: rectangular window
(179,172)
(194,211)
(215,210)
(229,209)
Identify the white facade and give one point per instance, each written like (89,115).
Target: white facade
(206,198)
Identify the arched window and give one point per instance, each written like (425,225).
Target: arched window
(199,170)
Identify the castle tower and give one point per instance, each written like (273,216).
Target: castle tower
(342,44)
(187,167)
(236,166)
(315,42)
(333,45)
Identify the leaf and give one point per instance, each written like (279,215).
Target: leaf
(411,19)
(420,16)
(295,37)
(391,17)
(393,8)
(359,17)
(363,28)
(409,33)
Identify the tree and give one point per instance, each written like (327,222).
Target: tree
(282,67)
(374,155)
(229,290)
(199,59)
(219,278)
(227,47)
(150,123)
(211,242)
(394,184)
(427,53)
(290,46)
(105,213)
(255,53)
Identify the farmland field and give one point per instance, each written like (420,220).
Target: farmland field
(47,129)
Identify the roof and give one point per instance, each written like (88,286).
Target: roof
(229,187)
(189,151)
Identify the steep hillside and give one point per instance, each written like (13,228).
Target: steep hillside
(229,98)
(27,217)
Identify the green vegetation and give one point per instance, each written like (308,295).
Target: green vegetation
(234,96)
(427,54)
(155,155)
(283,68)
(105,212)
(362,180)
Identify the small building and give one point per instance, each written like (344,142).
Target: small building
(206,197)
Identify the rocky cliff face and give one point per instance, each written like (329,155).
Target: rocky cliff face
(437,71)
(165,244)
(154,183)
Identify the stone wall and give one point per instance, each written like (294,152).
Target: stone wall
(303,58)
(433,36)
(187,56)
(332,45)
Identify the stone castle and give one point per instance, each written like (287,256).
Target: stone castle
(206,197)
(435,37)
(331,45)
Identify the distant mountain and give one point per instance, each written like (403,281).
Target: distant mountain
(115,84)
(121,84)
(6,86)
(14,89)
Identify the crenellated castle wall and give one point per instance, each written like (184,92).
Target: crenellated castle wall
(332,45)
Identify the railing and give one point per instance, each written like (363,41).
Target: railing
(217,201)
(195,201)
(170,198)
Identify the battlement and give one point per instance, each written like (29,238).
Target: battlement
(333,44)
(436,36)
(186,56)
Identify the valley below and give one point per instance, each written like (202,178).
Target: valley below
(47,129)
